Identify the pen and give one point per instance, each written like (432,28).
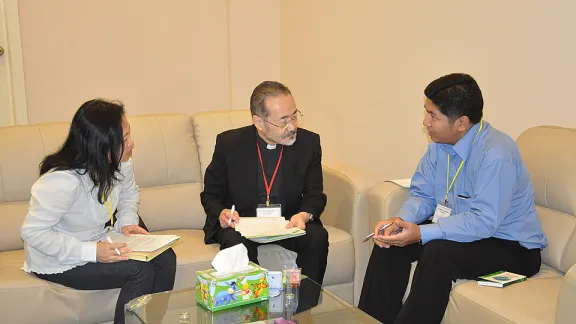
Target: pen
(380,230)
(231,212)
(110,241)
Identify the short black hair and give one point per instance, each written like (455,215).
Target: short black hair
(264,91)
(457,95)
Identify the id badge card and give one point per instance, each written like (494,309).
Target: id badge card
(273,210)
(442,211)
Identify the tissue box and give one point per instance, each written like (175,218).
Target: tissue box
(253,312)
(217,292)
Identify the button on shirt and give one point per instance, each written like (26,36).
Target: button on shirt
(491,197)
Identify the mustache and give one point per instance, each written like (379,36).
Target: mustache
(289,133)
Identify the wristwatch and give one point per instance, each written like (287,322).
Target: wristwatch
(311,218)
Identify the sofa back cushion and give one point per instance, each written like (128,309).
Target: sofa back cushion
(22,148)
(550,157)
(167,171)
(166,167)
(209,124)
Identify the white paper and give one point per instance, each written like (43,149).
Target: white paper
(234,258)
(251,227)
(143,242)
(402,182)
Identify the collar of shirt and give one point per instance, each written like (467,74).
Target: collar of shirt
(464,145)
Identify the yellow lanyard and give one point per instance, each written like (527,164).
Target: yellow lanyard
(459,168)
(109,207)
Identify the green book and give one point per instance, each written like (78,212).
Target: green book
(500,279)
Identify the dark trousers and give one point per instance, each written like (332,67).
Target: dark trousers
(134,278)
(439,263)
(311,249)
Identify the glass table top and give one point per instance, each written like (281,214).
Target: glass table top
(310,304)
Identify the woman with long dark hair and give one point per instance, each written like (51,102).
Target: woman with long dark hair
(80,187)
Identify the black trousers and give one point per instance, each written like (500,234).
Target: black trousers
(311,249)
(439,263)
(134,278)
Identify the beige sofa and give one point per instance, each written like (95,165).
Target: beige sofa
(550,296)
(171,153)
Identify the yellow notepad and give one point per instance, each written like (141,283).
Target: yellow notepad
(145,247)
(147,256)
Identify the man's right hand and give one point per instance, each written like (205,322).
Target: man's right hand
(392,229)
(227,219)
(106,253)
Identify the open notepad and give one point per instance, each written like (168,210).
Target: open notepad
(266,229)
(145,247)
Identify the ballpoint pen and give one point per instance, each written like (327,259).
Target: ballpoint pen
(380,230)
(231,212)
(110,241)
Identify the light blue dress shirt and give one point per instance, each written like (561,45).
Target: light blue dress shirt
(491,197)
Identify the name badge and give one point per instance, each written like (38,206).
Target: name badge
(274,210)
(442,211)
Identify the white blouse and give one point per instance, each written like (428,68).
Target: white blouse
(65,219)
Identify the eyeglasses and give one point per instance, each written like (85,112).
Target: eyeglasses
(287,120)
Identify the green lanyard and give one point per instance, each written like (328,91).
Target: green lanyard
(448,188)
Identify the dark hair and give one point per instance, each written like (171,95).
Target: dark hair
(265,90)
(457,95)
(94,145)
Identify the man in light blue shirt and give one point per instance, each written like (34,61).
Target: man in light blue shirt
(471,212)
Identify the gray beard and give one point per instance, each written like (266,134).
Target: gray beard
(285,141)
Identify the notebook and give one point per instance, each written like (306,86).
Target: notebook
(500,279)
(267,229)
(145,247)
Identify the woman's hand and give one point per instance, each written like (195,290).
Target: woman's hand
(133,229)
(106,252)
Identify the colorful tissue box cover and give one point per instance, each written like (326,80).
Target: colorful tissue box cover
(216,292)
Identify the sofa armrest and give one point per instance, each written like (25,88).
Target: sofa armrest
(385,201)
(347,189)
(565,311)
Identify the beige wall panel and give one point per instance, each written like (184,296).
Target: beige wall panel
(363,65)
(155,56)
(254,47)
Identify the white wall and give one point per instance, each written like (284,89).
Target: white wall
(172,56)
(363,65)
(357,68)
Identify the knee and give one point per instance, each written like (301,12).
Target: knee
(437,250)
(143,272)
(168,259)
(317,239)
(228,237)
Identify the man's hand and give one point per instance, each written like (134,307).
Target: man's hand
(133,229)
(400,233)
(227,219)
(299,220)
(389,230)
(106,253)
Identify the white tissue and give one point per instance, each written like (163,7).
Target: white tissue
(231,259)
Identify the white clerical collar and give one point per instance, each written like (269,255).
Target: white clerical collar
(270,146)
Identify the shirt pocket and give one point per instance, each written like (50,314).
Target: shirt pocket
(463,203)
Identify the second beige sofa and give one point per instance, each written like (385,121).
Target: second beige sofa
(550,296)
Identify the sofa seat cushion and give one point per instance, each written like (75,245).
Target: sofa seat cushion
(530,302)
(191,255)
(194,255)
(340,267)
(19,290)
